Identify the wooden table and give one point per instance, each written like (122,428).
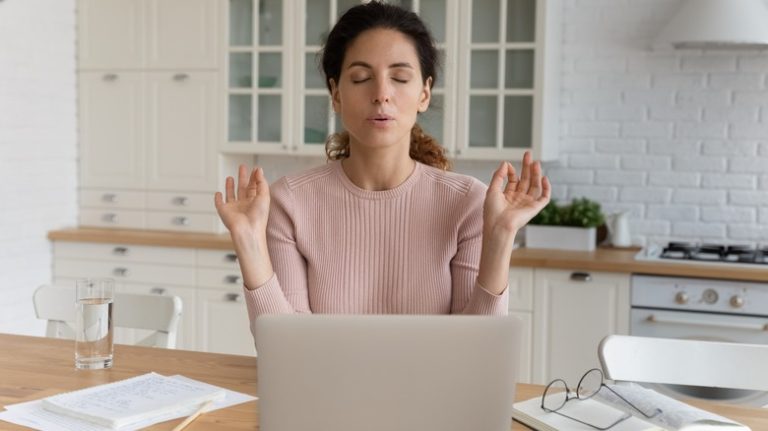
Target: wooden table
(35,367)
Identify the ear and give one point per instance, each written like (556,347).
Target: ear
(335,96)
(426,95)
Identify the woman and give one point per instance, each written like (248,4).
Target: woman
(382,228)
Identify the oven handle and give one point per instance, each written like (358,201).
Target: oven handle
(653,319)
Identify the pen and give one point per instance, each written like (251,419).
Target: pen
(193,416)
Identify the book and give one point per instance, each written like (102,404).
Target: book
(132,400)
(605,407)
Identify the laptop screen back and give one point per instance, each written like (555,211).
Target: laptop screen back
(363,372)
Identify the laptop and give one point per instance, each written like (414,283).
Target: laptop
(391,372)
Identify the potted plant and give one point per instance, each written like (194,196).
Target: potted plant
(568,227)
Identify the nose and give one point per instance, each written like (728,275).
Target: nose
(382,91)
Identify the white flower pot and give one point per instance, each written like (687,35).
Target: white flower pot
(560,237)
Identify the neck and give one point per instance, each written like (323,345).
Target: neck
(378,172)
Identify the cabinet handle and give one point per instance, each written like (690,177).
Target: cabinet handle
(232,297)
(181,221)
(232,279)
(581,276)
(180,77)
(109,218)
(181,201)
(121,272)
(110,77)
(109,197)
(157,291)
(120,251)
(230,257)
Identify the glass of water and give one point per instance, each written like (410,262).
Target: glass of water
(94,331)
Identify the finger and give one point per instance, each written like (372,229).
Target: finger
(546,189)
(242,181)
(256,183)
(229,188)
(525,176)
(535,190)
(218,200)
(512,178)
(497,180)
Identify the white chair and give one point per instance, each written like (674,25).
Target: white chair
(156,313)
(684,362)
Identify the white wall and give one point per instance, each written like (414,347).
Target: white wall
(38,153)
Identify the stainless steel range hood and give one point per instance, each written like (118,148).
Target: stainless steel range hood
(718,24)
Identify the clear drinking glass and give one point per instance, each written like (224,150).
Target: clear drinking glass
(93,340)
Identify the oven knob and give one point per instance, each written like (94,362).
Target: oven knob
(737,301)
(681,298)
(710,296)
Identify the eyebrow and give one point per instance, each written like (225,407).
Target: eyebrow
(391,66)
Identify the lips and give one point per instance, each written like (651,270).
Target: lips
(380,117)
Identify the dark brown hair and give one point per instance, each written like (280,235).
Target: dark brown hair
(424,148)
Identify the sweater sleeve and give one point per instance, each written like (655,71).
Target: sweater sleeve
(286,291)
(467,295)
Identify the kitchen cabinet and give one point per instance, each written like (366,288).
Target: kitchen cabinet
(572,312)
(496,95)
(148,121)
(521,306)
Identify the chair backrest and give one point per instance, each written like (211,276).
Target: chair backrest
(684,362)
(157,313)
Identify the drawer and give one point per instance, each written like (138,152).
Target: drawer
(101,198)
(118,218)
(183,222)
(219,278)
(119,253)
(181,202)
(125,272)
(225,259)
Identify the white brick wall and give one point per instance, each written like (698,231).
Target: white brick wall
(38,152)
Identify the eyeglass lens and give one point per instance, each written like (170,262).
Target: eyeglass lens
(589,384)
(555,395)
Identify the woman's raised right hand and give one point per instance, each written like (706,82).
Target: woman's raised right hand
(245,211)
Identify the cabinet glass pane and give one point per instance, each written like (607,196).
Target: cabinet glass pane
(270,22)
(343,5)
(518,113)
(484,69)
(240,22)
(269,118)
(318,16)
(316,119)
(485,21)
(313,78)
(482,121)
(240,70)
(521,20)
(519,69)
(239,117)
(433,13)
(269,70)
(432,120)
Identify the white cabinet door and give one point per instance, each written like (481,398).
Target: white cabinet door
(182,34)
(110,34)
(526,347)
(573,311)
(181,133)
(223,325)
(111,124)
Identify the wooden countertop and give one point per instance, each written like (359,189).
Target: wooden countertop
(602,259)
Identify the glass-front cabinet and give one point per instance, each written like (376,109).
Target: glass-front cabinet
(495,97)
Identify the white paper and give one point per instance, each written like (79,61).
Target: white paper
(32,414)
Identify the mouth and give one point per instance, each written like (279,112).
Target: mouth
(380,119)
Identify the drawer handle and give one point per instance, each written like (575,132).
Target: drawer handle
(121,272)
(109,197)
(110,77)
(180,77)
(181,221)
(157,291)
(232,297)
(233,279)
(120,251)
(230,257)
(581,276)
(181,201)
(109,218)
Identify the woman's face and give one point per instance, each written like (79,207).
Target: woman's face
(380,90)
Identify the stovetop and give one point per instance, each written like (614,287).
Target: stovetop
(709,253)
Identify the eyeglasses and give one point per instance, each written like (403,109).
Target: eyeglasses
(557,393)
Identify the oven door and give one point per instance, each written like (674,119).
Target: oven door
(703,326)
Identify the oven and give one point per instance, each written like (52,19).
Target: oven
(702,309)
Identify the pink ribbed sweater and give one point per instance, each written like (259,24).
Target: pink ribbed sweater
(337,248)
